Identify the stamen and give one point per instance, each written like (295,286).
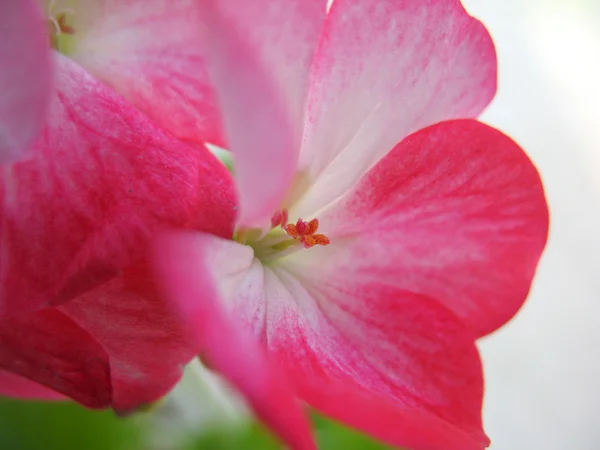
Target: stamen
(54,22)
(291,229)
(313,226)
(317,239)
(276,245)
(58,18)
(64,28)
(302,227)
(305,233)
(279,218)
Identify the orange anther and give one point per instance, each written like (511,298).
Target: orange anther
(313,226)
(317,239)
(290,228)
(62,24)
(305,232)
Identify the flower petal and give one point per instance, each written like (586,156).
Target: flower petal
(284,36)
(342,331)
(375,81)
(372,341)
(14,386)
(381,418)
(261,109)
(188,264)
(145,339)
(455,212)
(49,348)
(25,77)
(150,51)
(103,179)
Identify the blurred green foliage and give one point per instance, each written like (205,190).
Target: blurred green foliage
(63,426)
(329,435)
(66,426)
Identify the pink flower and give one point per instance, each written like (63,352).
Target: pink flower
(146,50)
(381,229)
(79,313)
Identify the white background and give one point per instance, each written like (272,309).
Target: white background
(543,368)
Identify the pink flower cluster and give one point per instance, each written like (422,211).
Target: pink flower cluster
(372,232)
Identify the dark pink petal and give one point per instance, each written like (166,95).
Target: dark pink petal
(381,418)
(375,81)
(187,264)
(49,348)
(25,76)
(259,129)
(147,342)
(104,178)
(455,212)
(12,385)
(151,52)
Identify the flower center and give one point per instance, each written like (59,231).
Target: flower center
(60,26)
(284,238)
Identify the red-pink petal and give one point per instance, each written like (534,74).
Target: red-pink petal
(187,264)
(49,348)
(12,385)
(25,77)
(455,212)
(381,418)
(339,330)
(151,52)
(103,179)
(259,129)
(385,69)
(146,340)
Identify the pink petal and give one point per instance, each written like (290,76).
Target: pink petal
(187,264)
(25,77)
(270,43)
(12,385)
(147,342)
(381,418)
(150,51)
(373,341)
(104,178)
(455,212)
(378,345)
(384,69)
(49,348)
(283,35)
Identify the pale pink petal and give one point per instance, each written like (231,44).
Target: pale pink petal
(258,126)
(188,264)
(410,64)
(150,51)
(25,77)
(455,212)
(147,342)
(49,348)
(283,35)
(104,178)
(14,386)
